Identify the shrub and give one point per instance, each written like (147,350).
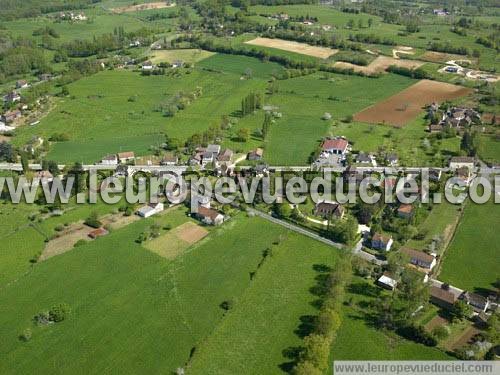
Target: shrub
(25,335)
(80,243)
(440,332)
(93,220)
(59,312)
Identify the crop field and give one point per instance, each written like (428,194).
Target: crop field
(302,48)
(185,55)
(435,29)
(143,6)
(471,261)
(173,243)
(441,221)
(407,104)
(240,65)
(489,149)
(252,337)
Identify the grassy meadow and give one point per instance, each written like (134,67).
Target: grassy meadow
(114,277)
(304,100)
(471,260)
(114,111)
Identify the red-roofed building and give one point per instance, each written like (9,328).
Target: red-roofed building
(336,146)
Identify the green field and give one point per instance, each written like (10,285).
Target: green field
(489,149)
(98,23)
(304,100)
(240,64)
(252,337)
(471,261)
(100,119)
(440,222)
(113,277)
(432,29)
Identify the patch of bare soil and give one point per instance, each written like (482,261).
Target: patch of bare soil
(407,104)
(291,46)
(145,6)
(190,232)
(379,65)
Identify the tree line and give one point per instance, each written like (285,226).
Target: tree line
(315,351)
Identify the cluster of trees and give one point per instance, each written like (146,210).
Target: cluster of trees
(448,48)
(101,44)
(470,142)
(396,311)
(268,118)
(344,230)
(47,30)
(178,102)
(492,41)
(372,39)
(22,58)
(56,314)
(208,136)
(313,358)
(93,220)
(152,232)
(7,152)
(417,73)
(251,103)
(352,58)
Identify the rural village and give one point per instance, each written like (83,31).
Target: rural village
(248,91)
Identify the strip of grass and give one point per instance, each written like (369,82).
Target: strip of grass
(471,261)
(252,337)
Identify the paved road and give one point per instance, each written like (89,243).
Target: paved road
(356,251)
(296,228)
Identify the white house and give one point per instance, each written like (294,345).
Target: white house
(382,242)
(387,282)
(109,160)
(150,209)
(461,161)
(147,65)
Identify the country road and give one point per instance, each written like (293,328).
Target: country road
(357,251)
